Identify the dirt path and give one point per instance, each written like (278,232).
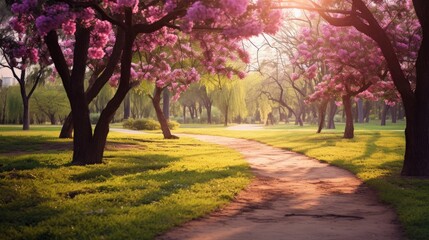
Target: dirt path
(246,127)
(293,197)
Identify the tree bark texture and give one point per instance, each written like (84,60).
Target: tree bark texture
(360,113)
(26,114)
(331,115)
(102,128)
(225,123)
(127,107)
(184,114)
(322,115)
(384,114)
(349,129)
(95,86)
(416,161)
(156,100)
(166,104)
(367,111)
(67,128)
(394,113)
(209,113)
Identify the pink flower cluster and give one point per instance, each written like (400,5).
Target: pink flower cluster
(350,62)
(170,62)
(234,7)
(24,7)
(55,15)
(126,3)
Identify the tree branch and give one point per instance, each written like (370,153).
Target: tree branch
(58,58)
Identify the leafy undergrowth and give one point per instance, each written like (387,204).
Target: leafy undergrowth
(146,186)
(375,156)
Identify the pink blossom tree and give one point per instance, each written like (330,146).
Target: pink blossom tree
(374,21)
(153,20)
(23,53)
(416,159)
(354,69)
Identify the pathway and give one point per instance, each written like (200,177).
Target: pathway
(246,127)
(293,197)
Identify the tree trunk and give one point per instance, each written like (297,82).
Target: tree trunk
(379,109)
(200,109)
(384,114)
(78,102)
(226,116)
(195,111)
(127,107)
(184,114)
(191,112)
(322,114)
(166,104)
(26,114)
(52,119)
(360,110)
(367,110)
(156,100)
(394,113)
(96,85)
(349,129)
(96,150)
(331,116)
(25,102)
(3,119)
(400,111)
(303,114)
(416,161)
(209,113)
(299,121)
(270,119)
(67,129)
(355,112)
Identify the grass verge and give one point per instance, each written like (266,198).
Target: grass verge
(146,186)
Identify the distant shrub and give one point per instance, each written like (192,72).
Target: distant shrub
(338,118)
(173,125)
(93,117)
(128,124)
(146,124)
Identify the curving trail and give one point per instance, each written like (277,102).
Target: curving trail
(293,197)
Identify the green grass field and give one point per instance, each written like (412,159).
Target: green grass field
(146,185)
(375,155)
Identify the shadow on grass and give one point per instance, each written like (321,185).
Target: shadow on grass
(22,206)
(13,145)
(183,180)
(393,167)
(135,164)
(27,163)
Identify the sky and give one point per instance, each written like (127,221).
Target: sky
(5,72)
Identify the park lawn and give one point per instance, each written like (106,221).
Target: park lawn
(374,155)
(145,186)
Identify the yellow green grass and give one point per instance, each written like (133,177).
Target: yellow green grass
(374,155)
(146,185)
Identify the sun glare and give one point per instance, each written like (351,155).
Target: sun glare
(297,13)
